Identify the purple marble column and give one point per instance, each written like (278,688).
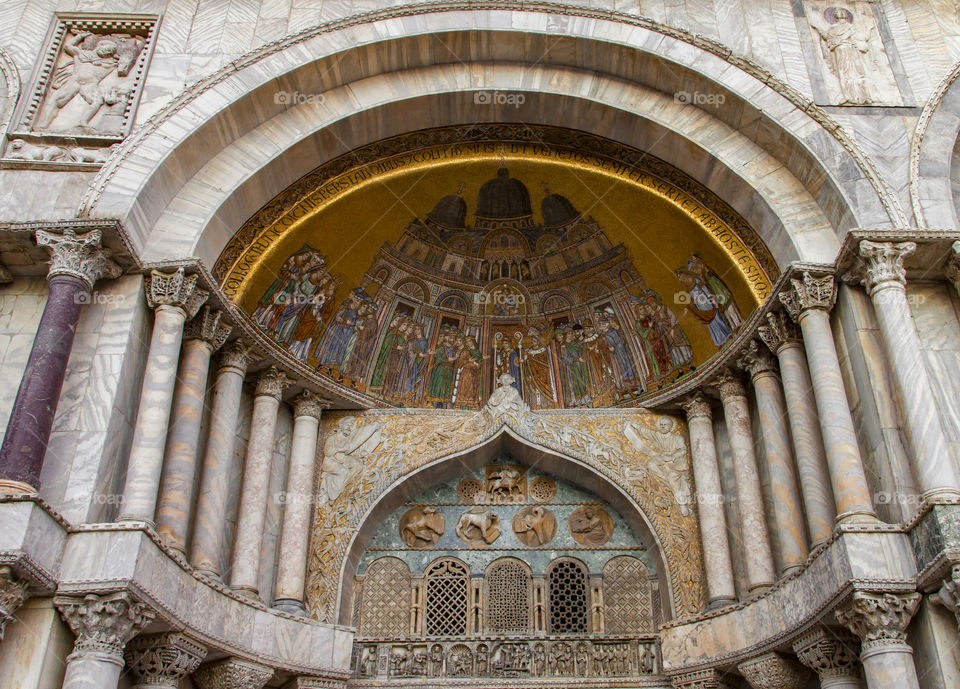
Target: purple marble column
(76,263)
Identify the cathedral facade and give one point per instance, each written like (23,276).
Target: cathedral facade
(480,344)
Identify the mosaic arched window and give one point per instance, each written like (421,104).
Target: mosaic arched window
(447,597)
(385,609)
(508,596)
(626,596)
(567,597)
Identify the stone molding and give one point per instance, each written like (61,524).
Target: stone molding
(308,403)
(884,262)
(176,289)
(697,405)
(879,619)
(209,327)
(829,652)
(272,382)
(702,679)
(315,683)
(809,292)
(779,331)
(163,659)
(774,671)
(233,673)
(103,623)
(78,255)
(13,592)
(756,360)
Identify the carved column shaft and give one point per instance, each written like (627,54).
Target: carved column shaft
(209,530)
(809,303)
(76,263)
(885,281)
(709,500)
(203,336)
(298,503)
(256,480)
(750,509)
(174,298)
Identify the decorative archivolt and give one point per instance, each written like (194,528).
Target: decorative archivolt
(642,454)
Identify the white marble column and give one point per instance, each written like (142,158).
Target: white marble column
(174,298)
(209,530)
(709,500)
(832,654)
(788,532)
(753,524)
(774,671)
(809,303)
(881,620)
(203,335)
(783,339)
(297,504)
(256,479)
(163,660)
(885,281)
(102,624)
(231,673)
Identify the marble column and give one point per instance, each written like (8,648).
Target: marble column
(175,298)
(13,591)
(782,337)
(789,532)
(753,524)
(880,620)
(77,261)
(162,660)
(809,302)
(103,624)
(774,671)
(232,673)
(218,467)
(885,279)
(298,503)
(709,500)
(245,563)
(832,655)
(203,335)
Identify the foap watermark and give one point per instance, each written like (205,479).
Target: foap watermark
(498,298)
(697,98)
(99,298)
(684,298)
(499,98)
(887,498)
(298,98)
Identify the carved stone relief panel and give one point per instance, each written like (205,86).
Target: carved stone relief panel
(535,526)
(422,527)
(479,527)
(590,525)
(506,485)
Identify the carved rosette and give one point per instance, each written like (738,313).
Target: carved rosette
(233,673)
(13,591)
(778,331)
(176,289)
(236,355)
(809,293)
(884,262)
(831,653)
(209,327)
(163,659)
(697,405)
(756,360)
(701,679)
(78,255)
(729,385)
(272,383)
(879,619)
(774,671)
(103,624)
(310,404)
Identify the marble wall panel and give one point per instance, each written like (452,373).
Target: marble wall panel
(34,646)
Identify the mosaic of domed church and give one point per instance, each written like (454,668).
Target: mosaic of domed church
(588,293)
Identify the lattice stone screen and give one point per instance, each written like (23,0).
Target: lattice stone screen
(508,597)
(568,598)
(446,599)
(626,596)
(385,611)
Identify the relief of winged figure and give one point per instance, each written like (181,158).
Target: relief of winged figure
(343,455)
(668,455)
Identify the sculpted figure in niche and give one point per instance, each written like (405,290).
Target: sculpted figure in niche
(846,47)
(668,455)
(422,527)
(506,398)
(590,525)
(534,526)
(343,455)
(479,527)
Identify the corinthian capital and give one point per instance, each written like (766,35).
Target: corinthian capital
(209,327)
(309,404)
(778,331)
(175,289)
(162,660)
(755,359)
(232,673)
(879,618)
(809,293)
(730,385)
(696,405)
(701,679)
(78,255)
(13,592)
(831,653)
(272,382)
(103,624)
(884,262)
(774,671)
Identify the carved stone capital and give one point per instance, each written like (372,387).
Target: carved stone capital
(13,591)
(103,624)
(5,275)
(78,255)
(315,683)
(879,618)
(755,359)
(774,671)
(729,384)
(208,326)
(237,355)
(162,660)
(780,330)
(952,269)
(884,262)
(701,679)
(272,382)
(949,594)
(176,289)
(697,405)
(831,653)
(809,293)
(309,404)
(232,673)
